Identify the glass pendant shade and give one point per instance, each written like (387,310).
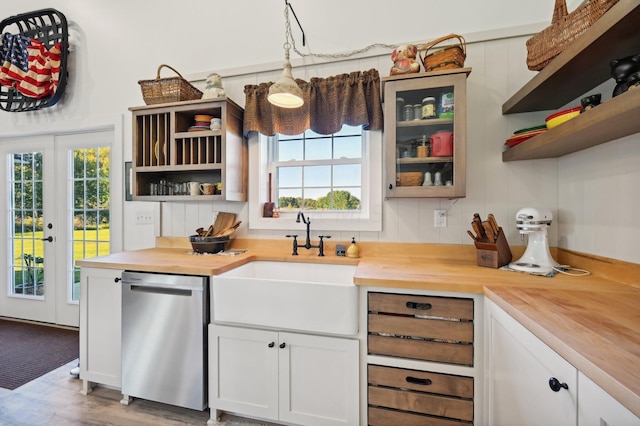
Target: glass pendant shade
(285,92)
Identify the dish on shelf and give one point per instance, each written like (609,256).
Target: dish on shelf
(521,137)
(563,116)
(156,149)
(203,117)
(198,128)
(528,129)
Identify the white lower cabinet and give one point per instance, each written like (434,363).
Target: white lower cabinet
(290,377)
(598,408)
(519,370)
(100,327)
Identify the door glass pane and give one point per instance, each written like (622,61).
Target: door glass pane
(25,237)
(90,208)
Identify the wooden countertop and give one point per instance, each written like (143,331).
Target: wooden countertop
(592,321)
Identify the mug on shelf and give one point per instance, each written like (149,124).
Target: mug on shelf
(194,188)
(207,188)
(216,124)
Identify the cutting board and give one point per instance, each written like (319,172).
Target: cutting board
(223,221)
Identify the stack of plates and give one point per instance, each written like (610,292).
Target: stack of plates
(522,135)
(202,123)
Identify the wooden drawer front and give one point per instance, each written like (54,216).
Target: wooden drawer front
(423,381)
(383,417)
(407,304)
(454,331)
(421,327)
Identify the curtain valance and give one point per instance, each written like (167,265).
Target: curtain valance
(352,99)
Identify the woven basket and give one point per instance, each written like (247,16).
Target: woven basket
(564,29)
(172,89)
(409,178)
(447,58)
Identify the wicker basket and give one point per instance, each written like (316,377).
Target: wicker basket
(172,89)
(564,29)
(447,58)
(409,178)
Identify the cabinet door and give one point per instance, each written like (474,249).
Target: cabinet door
(100,326)
(425,147)
(243,371)
(520,367)
(598,408)
(318,380)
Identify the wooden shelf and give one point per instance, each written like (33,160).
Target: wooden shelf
(424,160)
(584,65)
(616,118)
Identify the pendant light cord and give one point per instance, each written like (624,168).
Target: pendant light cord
(288,36)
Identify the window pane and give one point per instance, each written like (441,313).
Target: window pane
(347,175)
(318,149)
(289,199)
(317,176)
(349,147)
(289,177)
(290,150)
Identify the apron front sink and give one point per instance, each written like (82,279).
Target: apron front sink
(310,297)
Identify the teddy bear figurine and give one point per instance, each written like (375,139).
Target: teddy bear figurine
(625,72)
(404,60)
(213,88)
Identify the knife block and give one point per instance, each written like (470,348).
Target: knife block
(494,255)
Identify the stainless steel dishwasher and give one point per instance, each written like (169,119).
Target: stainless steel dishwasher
(164,338)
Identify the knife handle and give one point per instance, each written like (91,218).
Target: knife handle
(488,231)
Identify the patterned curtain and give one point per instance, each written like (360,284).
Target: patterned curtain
(352,99)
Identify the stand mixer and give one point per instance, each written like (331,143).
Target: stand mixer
(536,258)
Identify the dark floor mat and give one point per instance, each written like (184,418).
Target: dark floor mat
(28,351)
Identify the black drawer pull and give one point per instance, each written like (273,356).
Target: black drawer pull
(420,306)
(556,385)
(418,381)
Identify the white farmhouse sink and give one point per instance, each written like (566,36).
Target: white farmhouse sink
(310,297)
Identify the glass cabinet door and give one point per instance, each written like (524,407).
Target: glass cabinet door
(425,134)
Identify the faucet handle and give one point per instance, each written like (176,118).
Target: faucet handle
(291,236)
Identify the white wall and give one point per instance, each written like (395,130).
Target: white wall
(118,43)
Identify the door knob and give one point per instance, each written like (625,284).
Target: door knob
(272,344)
(282,345)
(49,238)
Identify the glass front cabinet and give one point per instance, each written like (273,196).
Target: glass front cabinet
(425,134)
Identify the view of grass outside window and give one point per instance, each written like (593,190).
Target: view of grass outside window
(318,172)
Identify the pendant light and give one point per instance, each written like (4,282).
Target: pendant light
(285,92)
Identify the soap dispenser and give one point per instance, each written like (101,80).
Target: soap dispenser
(353,250)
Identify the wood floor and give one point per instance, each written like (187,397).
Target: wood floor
(55,400)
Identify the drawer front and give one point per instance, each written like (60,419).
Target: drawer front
(421,327)
(413,305)
(383,417)
(421,403)
(422,381)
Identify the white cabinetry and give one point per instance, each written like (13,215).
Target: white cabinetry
(290,377)
(520,367)
(598,408)
(100,324)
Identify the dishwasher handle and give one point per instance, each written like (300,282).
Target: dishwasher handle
(161,290)
(158,282)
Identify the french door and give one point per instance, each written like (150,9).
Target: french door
(58,192)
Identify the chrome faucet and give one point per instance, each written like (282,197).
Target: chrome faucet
(307,244)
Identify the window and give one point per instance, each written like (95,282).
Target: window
(336,179)
(318,172)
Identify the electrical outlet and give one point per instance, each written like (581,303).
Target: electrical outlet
(144,217)
(440,218)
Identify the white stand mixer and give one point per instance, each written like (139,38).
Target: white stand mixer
(536,258)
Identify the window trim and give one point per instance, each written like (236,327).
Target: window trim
(369,218)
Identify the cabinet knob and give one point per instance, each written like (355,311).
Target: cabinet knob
(419,306)
(556,385)
(283,345)
(272,344)
(117,279)
(390,186)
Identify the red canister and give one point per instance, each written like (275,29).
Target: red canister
(442,144)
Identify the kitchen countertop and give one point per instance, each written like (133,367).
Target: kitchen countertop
(592,321)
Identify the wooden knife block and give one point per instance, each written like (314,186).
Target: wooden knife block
(494,255)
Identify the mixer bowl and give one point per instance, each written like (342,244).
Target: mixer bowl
(208,244)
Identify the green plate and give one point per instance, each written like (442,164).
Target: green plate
(528,129)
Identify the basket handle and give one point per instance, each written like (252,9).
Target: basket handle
(432,43)
(171,68)
(559,11)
